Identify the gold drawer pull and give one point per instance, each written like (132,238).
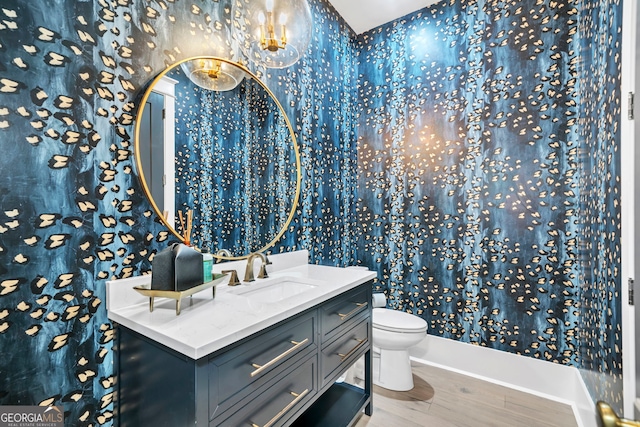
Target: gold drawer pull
(355,310)
(345,356)
(298,397)
(267,365)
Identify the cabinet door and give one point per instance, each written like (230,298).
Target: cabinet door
(341,353)
(278,401)
(337,313)
(240,371)
(156,384)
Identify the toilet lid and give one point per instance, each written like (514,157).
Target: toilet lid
(397,321)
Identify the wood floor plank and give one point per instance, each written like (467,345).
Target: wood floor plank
(444,398)
(382,418)
(539,409)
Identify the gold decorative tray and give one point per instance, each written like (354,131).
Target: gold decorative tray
(178,295)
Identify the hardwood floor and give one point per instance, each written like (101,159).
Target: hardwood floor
(443,398)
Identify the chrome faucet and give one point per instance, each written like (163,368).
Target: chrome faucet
(248,273)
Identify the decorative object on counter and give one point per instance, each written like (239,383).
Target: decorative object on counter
(272,33)
(207,265)
(147,291)
(177,268)
(186,228)
(179,271)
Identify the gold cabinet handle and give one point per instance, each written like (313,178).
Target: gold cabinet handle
(267,365)
(298,397)
(346,355)
(355,310)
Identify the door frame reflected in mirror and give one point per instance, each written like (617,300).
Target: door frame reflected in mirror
(165,88)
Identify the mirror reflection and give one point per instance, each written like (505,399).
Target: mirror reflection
(221,167)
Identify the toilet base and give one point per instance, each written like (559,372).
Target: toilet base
(392,370)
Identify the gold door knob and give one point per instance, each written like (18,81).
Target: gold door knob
(608,417)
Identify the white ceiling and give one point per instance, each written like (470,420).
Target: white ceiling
(363,15)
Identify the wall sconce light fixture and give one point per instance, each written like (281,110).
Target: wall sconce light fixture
(212,74)
(267,42)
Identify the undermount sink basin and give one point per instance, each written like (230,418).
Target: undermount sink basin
(274,290)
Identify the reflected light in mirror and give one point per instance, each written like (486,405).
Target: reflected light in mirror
(213,74)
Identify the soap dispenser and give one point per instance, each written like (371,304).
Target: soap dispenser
(207,265)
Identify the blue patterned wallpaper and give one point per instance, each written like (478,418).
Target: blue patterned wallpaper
(236,165)
(73,213)
(598,183)
(451,150)
(489,176)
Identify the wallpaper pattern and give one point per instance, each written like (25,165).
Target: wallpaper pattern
(487,196)
(483,209)
(598,160)
(236,165)
(56,192)
(73,212)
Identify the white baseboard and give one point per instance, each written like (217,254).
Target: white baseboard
(545,379)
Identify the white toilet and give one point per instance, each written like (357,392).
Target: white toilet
(394,332)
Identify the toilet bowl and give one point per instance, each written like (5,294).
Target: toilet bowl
(394,332)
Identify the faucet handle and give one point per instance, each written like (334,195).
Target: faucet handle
(233,280)
(263,272)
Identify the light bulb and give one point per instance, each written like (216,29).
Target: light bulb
(261,18)
(269,5)
(283,18)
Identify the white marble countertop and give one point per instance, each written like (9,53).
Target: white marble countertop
(207,324)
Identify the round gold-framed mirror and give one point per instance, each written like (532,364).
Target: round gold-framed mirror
(217,157)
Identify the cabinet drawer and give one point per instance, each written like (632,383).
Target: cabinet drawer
(335,314)
(243,369)
(277,401)
(338,355)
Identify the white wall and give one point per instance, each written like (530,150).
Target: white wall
(627,200)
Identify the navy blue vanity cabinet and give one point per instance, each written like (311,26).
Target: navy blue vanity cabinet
(157,385)
(279,402)
(283,375)
(254,365)
(344,351)
(345,336)
(337,312)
